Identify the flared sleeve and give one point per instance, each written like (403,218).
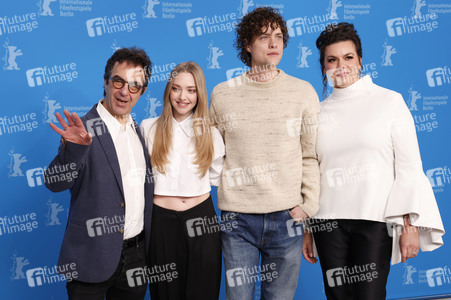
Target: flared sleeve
(411,192)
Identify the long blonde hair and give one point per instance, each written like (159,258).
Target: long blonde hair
(163,133)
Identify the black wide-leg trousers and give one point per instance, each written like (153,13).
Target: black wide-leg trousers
(185,253)
(354,256)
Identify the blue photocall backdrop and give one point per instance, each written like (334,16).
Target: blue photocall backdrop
(53,57)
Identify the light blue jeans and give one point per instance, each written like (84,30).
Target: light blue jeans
(273,236)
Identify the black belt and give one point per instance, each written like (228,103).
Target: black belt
(134,241)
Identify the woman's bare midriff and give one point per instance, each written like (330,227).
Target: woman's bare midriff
(179,203)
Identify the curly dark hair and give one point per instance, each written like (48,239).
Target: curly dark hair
(332,34)
(251,26)
(135,56)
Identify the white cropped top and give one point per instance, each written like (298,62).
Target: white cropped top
(182,177)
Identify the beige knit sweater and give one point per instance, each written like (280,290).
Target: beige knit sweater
(269,130)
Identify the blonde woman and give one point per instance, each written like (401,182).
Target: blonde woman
(187,157)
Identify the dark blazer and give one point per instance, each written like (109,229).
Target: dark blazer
(94,232)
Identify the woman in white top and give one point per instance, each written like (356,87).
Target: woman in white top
(375,201)
(187,156)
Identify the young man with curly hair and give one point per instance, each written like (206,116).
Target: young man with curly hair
(270,181)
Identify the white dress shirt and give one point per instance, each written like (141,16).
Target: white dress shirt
(370,163)
(133,169)
(181,176)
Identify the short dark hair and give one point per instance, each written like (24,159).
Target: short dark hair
(251,26)
(135,56)
(332,34)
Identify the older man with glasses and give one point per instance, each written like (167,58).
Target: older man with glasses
(108,228)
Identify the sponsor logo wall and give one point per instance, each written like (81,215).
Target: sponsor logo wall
(53,54)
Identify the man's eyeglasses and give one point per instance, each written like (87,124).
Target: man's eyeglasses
(133,86)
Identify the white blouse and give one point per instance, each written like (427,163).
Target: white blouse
(182,177)
(370,163)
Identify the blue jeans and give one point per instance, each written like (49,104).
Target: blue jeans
(274,236)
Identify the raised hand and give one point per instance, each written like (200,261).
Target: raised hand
(73,132)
